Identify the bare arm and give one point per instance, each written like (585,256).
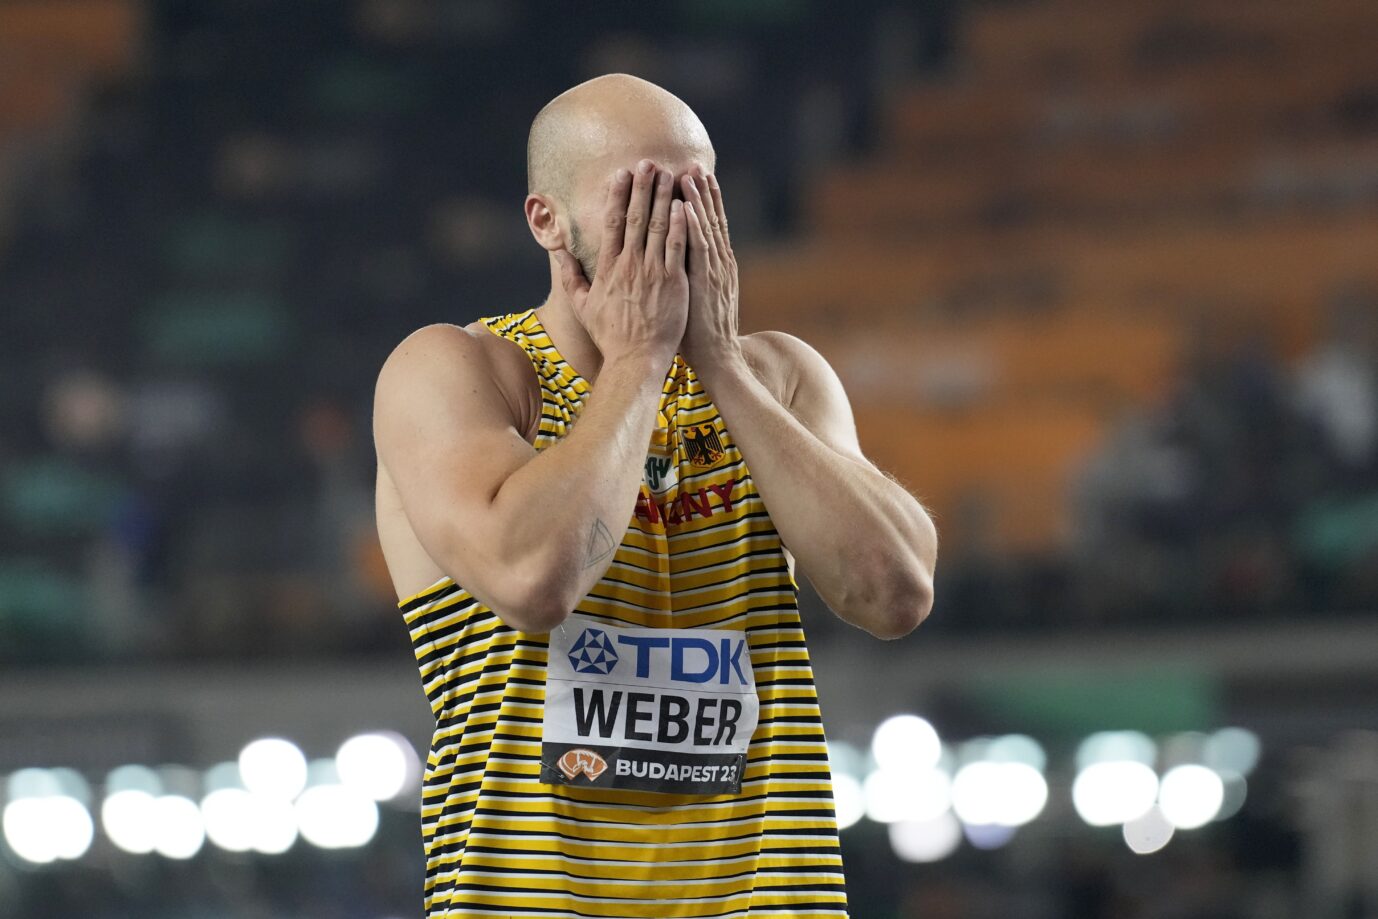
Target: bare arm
(865,543)
(529,533)
(867,546)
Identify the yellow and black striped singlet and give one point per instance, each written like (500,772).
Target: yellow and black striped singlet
(702,554)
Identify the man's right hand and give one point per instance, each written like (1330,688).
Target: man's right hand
(638,303)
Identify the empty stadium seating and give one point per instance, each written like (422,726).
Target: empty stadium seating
(1045,224)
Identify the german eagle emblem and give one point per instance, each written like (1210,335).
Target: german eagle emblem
(702,445)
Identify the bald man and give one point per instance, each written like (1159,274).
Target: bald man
(626,718)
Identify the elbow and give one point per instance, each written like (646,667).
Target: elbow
(534,604)
(535,618)
(527,596)
(528,588)
(907,602)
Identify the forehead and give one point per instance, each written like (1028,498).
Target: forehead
(611,145)
(593,174)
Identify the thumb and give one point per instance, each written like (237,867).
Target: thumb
(572,276)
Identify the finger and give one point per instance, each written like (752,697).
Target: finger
(614,215)
(639,208)
(697,236)
(710,212)
(571,275)
(717,206)
(700,239)
(660,218)
(676,238)
(696,177)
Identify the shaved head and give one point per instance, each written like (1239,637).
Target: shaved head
(587,132)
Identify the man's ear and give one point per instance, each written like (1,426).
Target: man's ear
(544,223)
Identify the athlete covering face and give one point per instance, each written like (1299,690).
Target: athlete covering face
(585,509)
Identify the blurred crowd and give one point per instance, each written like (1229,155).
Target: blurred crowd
(199,294)
(206,278)
(1247,491)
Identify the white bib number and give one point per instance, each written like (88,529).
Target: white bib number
(669,710)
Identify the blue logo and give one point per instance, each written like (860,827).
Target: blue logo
(593,653)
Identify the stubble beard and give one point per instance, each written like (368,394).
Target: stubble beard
(588,260)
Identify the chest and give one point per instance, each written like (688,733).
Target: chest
(692,474)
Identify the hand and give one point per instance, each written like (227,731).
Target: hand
(711,334)
(639,300)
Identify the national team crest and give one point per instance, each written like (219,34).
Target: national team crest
(702,444)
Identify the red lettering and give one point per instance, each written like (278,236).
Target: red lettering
(701,506)
(646,509)
(724,493)
(685,506)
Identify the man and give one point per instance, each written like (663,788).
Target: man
(626,720)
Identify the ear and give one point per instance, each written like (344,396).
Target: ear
(544,222)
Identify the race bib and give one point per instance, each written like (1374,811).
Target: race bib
(669,710)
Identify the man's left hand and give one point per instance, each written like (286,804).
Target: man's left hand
(711,336)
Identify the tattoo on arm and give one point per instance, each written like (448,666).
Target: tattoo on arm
(600,545)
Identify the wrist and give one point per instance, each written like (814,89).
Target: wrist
(641,361)
(722,358)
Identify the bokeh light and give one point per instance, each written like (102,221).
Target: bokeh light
(891,795)
(374,764)
(1190,796)
(1148,832)
(905,743)
(926,840)
(1017,748)
(1236,790)
(273,766)
(1004,794)
(127,818)
(848,800)
(1232,750)
(336,816)
(988,836)
(1117,746)
(1106,793)
(134,777)
(44,828)
(178,831)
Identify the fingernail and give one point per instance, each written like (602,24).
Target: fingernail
(622,175)
(712,180)
(675,206)
(663,181)
(644,166)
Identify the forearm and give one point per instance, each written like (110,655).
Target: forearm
(562,515)
(865,543)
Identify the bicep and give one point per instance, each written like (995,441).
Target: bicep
(444,432)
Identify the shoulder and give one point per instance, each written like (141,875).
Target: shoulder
(439,348)
(807,386)
(443,363)
(784,363)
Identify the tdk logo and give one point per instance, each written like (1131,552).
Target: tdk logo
(592,653)
(692,659)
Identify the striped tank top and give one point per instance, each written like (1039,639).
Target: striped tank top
(700,552)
